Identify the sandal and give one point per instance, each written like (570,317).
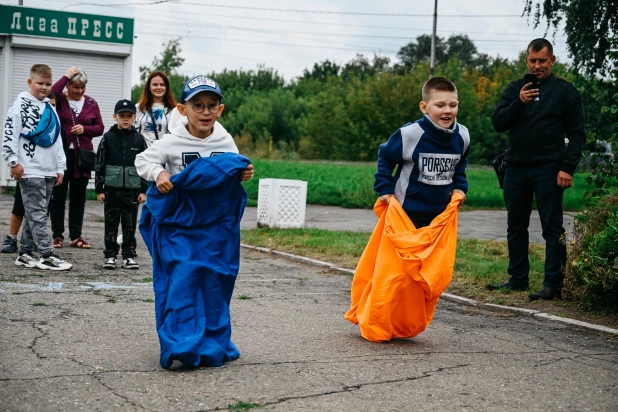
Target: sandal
(80,243)
(57,243)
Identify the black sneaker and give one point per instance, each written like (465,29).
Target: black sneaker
(9,245)
(27,259)
(546,293)
(53,262)
(110,263)
(507,286)
(130,263)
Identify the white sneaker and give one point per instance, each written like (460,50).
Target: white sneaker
(110,263)
(130,263)
(26,259)
(53,263)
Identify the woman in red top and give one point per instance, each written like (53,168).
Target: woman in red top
(80,119)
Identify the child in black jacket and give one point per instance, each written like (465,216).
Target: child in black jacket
(118,185)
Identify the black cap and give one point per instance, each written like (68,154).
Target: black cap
(125,105)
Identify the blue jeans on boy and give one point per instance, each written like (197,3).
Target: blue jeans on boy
(36,192)
(521,183)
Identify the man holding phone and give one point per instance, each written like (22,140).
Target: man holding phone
(538,112)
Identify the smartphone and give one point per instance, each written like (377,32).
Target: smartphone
(531,78)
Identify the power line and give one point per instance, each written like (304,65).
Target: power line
(321,23)
(293,32)
(125,4)
(273,43)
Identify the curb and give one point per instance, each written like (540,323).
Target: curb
(448,296)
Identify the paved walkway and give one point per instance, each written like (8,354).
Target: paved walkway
(478,224)
(85,340)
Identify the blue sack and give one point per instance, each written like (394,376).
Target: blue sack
(47,130)
(193,236)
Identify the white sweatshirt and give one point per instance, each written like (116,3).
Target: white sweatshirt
(22,117)
(175,151)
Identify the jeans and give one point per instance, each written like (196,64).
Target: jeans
(521,183)
(36,192)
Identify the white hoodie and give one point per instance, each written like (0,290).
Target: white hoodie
(22,117)
(175,151)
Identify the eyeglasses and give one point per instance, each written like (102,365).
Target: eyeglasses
(199,107)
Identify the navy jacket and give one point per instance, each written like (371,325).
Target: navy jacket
(430,161)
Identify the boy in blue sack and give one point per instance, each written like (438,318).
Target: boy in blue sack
(32,146)
(191,226)
(431,156)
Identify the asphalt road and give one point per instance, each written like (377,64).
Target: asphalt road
(476,224)
(85,340)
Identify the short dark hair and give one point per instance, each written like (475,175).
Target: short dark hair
(41,70)
(437,83)
(539,44)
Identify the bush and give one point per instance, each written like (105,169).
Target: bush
(592,267)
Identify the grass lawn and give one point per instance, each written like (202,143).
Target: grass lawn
(350,185)
(478,263)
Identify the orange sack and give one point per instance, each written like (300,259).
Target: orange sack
(402,272)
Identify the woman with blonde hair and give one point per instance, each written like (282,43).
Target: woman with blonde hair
(155,108)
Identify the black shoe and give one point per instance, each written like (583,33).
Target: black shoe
(110,263)
(546,293)
(506,286)
(9,245)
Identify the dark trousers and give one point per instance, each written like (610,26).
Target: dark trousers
(76,187)
(18,203)
(521,183)
(120,208)
(421,219)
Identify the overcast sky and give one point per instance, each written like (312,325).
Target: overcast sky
(289,38)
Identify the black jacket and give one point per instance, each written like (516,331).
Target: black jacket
(118,148)
(537,129)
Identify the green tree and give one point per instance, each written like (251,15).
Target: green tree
(589,26)
(321,71)
(416,52)
(169,62)
(362,67)
(463,47)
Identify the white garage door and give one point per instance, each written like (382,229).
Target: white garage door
(105,76)
(2,109)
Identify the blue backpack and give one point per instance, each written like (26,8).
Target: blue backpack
(48,129)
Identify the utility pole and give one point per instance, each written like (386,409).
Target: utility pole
(21,2)
(432,63)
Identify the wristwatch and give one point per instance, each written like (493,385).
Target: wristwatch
(13,163)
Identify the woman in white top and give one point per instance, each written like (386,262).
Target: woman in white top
(155,108)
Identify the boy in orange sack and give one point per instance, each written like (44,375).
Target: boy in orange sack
(409,260)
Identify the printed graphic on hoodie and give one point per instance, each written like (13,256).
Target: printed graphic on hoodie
(23,118)
(158,114)
(437,168)
(30,114)
(188,157)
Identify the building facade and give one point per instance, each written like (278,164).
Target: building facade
(100,45)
